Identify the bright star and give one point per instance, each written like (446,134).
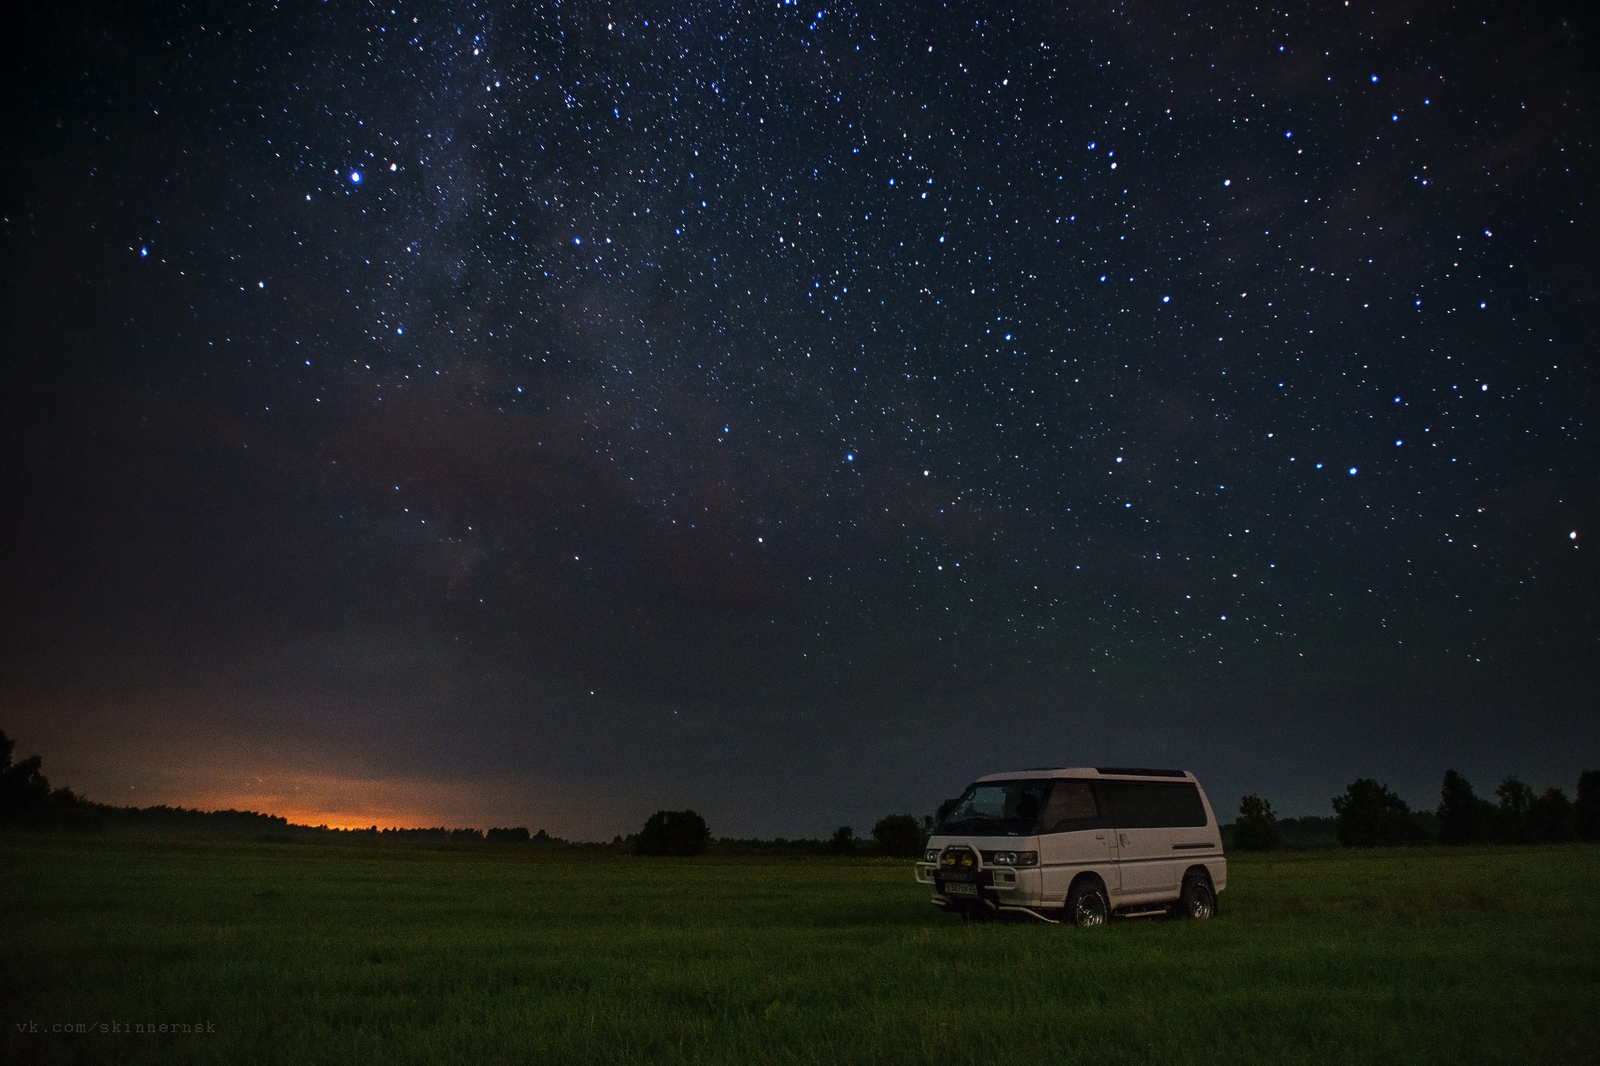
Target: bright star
(355,177)
(1352,470)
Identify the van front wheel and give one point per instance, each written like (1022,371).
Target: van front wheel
(1197,900)
(1086,905)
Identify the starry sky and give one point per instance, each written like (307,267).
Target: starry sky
(541,414)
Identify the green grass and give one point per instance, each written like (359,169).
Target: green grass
(305,954)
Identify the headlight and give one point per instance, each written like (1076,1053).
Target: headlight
(931,855)
(1014,858)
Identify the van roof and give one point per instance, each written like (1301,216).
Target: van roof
(1088,772)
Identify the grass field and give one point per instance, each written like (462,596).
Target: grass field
(302,954)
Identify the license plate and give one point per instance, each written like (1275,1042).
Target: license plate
(958,889)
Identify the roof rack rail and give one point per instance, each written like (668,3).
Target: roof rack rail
(1138,771)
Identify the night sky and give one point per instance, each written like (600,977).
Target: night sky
(541,414)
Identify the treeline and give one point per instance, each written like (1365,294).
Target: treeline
(685,833)
(1370,814)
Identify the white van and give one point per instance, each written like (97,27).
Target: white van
(1080,845)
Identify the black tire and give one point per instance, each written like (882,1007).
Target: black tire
(1197,900)
(1087,905)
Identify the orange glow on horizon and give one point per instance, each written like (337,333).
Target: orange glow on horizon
(309,786)
(361,803)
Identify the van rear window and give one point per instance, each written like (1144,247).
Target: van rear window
(1149,804)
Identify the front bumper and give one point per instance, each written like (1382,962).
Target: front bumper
(1001,883)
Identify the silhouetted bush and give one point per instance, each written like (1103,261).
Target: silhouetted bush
(673,833)
(1511,822)
(1257,827)
(466,836)
(843,842)
(515,835)
(1372,816)
(899,835)
(1464,818)
(1309,831)
(1551,819)
(1587,810)
(24,791)
(771,846)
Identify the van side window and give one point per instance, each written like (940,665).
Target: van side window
(1150,804)
(1070,807)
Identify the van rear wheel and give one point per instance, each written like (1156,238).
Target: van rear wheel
(1087,906)
(1197,900)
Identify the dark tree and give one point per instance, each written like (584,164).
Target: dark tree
(844,841)
(1551,818)
(1587,810)
(1372,816)
(514,835)
(1464,818)
(673,833)
(1512,824)
(1257,827)
(24,791)
(899,835)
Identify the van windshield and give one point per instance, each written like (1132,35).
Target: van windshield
(998,808)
